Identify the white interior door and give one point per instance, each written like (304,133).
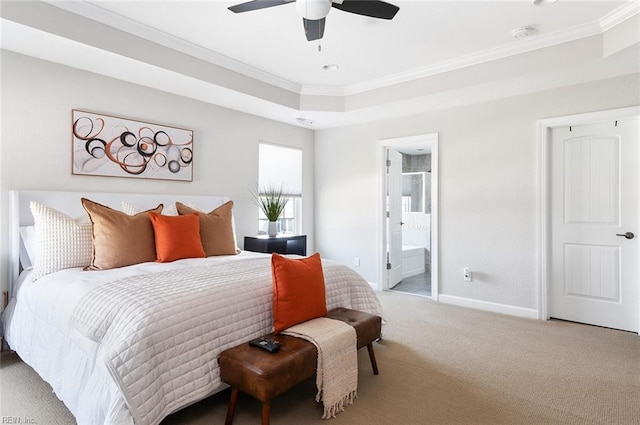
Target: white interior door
(594,199)
(394,217)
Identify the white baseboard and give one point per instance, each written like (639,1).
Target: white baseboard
(528,313)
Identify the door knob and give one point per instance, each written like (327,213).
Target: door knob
(627,235)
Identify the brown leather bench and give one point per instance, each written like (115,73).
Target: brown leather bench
(264,375)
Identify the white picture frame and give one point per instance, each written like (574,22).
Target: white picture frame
(103,145)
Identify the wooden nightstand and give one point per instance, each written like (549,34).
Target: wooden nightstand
(282,244)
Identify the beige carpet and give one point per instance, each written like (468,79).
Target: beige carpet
(438,364)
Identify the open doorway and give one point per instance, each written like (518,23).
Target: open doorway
(416,222)
(408,242)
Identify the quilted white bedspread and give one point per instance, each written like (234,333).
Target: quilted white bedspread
(160,332)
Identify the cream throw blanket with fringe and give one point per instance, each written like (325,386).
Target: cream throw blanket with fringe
(337,372)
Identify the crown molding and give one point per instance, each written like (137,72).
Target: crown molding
(523,46)
(620,15)
(311,90)
(534,42)
(123,23)
(624,12)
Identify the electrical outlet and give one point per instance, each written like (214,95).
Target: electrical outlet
(356,261)
(468,277)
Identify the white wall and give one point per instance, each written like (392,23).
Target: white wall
(487,160)
(488,187)
(37,99)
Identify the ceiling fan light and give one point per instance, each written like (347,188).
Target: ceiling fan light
(313,9)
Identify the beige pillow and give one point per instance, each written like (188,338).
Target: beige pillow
(120,239)
(216,228)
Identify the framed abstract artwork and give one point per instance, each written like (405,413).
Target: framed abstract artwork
(103,145)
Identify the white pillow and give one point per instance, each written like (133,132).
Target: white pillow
(129,209)
(62,241)
(30,244)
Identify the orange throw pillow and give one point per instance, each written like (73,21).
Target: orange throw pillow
(298,290)
(177,237)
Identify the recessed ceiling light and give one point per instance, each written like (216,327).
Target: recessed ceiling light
(305,121)
(544,2)
(523,31)
(330,67)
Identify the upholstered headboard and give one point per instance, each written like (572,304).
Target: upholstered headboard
(69,203)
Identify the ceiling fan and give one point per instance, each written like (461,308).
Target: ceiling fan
(314,12)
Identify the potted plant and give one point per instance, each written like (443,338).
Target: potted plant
(272,201)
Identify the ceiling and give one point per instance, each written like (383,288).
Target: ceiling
(432,54)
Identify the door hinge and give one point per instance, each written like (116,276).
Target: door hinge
(388,163)
(388,266)
(388,214)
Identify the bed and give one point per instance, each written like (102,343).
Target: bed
(133,344)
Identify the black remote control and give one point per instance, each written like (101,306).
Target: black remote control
(267,344)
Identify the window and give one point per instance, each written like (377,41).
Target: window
(281,167)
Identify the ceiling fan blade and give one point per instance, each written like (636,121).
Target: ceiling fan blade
(257,4)
(313,29)
(373,8)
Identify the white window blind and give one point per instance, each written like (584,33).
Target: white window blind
(280,167)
